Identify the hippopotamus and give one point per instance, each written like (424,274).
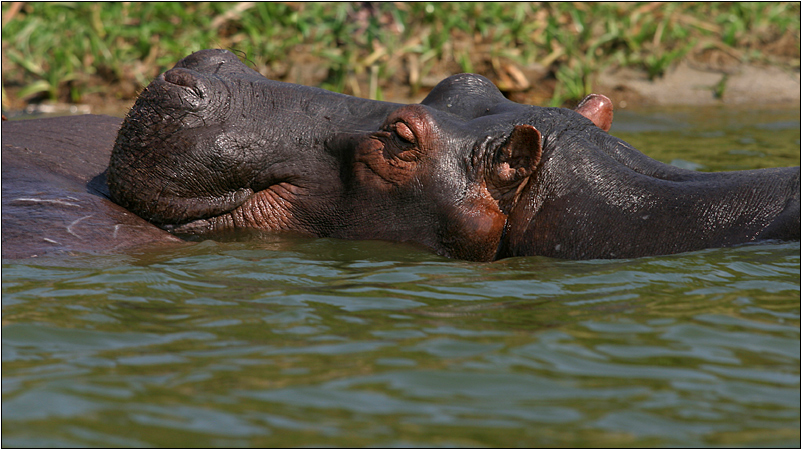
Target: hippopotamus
(212,149)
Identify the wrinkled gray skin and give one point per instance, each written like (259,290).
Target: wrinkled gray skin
(212,147)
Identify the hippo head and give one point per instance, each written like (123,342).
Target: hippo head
(212,147)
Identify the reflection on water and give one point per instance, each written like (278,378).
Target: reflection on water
(319,342)
(714,139)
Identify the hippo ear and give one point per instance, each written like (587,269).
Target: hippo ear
(513,164)
(597,108)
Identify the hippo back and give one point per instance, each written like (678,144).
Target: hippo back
(55,198)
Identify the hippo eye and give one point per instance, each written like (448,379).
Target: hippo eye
(404,132)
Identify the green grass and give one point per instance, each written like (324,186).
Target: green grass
(66,51)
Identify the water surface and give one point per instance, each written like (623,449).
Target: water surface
(318,342)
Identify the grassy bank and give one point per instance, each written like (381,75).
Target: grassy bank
(547,52)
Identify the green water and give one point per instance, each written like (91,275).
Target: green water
(318,342)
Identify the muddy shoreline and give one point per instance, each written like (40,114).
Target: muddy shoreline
(690,85)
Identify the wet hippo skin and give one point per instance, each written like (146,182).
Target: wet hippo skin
(212,149)
(54,193)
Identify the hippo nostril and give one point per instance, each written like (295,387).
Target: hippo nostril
(196,86)
(181,77)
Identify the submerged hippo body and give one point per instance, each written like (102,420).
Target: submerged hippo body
(55,198)
(211,149)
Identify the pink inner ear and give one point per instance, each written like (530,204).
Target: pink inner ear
(513,164)
(597,108)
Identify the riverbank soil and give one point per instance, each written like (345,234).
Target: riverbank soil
(690,84)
